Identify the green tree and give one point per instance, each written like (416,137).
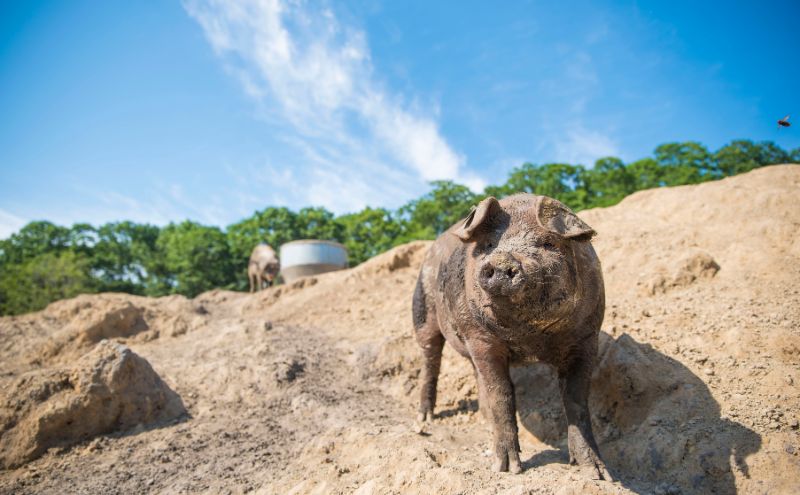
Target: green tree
(34,239)
(82,239)
(685,163)
(369,232)
(42,279)
(743,155)
(646,173)
(120,253)
(436,211)
(317,223)
(772,154)
(191,258)
(609,181)
(562,181)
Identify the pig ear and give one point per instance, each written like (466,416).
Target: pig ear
(554,216)
(476,217)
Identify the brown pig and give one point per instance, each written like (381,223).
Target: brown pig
(263,267)
(516,281)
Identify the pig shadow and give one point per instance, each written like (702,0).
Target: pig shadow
(464,406)
(657,424)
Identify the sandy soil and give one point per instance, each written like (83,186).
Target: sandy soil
(311,388)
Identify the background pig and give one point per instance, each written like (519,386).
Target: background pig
(263,267)
(517,280)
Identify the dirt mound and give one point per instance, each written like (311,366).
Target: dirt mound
(693,265)
(652,415)
(109,389)
(747,224)
(404,256)
(89,324)
(67,329)
(312,387)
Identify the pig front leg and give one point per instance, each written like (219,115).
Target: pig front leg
(583,451)
(496,389)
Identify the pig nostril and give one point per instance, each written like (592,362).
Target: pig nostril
(511,272)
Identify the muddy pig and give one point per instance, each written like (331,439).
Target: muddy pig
(516,281)
(263,267)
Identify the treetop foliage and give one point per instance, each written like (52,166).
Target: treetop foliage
(44,262)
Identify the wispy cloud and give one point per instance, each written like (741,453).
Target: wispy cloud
(9,223)
(359,141)
(108,206)
(569,139)
(580,145)
(159,204)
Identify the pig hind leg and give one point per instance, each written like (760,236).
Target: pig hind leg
(431,340)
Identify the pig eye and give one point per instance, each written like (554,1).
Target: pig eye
(549,246)
(488,245)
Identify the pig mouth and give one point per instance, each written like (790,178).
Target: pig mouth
(534,309)
(538,298)
(549,298)
(542,295)
(503,316)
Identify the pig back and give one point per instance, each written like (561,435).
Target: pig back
(263,255)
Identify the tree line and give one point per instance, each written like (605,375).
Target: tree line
(44,262)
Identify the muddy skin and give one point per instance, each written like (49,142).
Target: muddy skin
(262,268)
(514,282)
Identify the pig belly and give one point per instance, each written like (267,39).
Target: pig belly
(452,335)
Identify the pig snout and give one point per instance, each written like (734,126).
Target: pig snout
(501,275)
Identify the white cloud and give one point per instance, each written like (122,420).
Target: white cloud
(569,138)
(305,68)
(475,183)
(584,146)
(9,223)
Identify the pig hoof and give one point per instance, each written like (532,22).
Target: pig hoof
(598,469)
(603,472)
(508,461)
(425,416)
(595,471)
(423,420)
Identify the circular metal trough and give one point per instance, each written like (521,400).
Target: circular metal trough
(311,257)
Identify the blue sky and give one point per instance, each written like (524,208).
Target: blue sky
(160,111)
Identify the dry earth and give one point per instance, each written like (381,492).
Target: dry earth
(311,388)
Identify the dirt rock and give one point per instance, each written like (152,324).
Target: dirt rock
(110,389)
(88,325)
(694,264)
(404,256)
